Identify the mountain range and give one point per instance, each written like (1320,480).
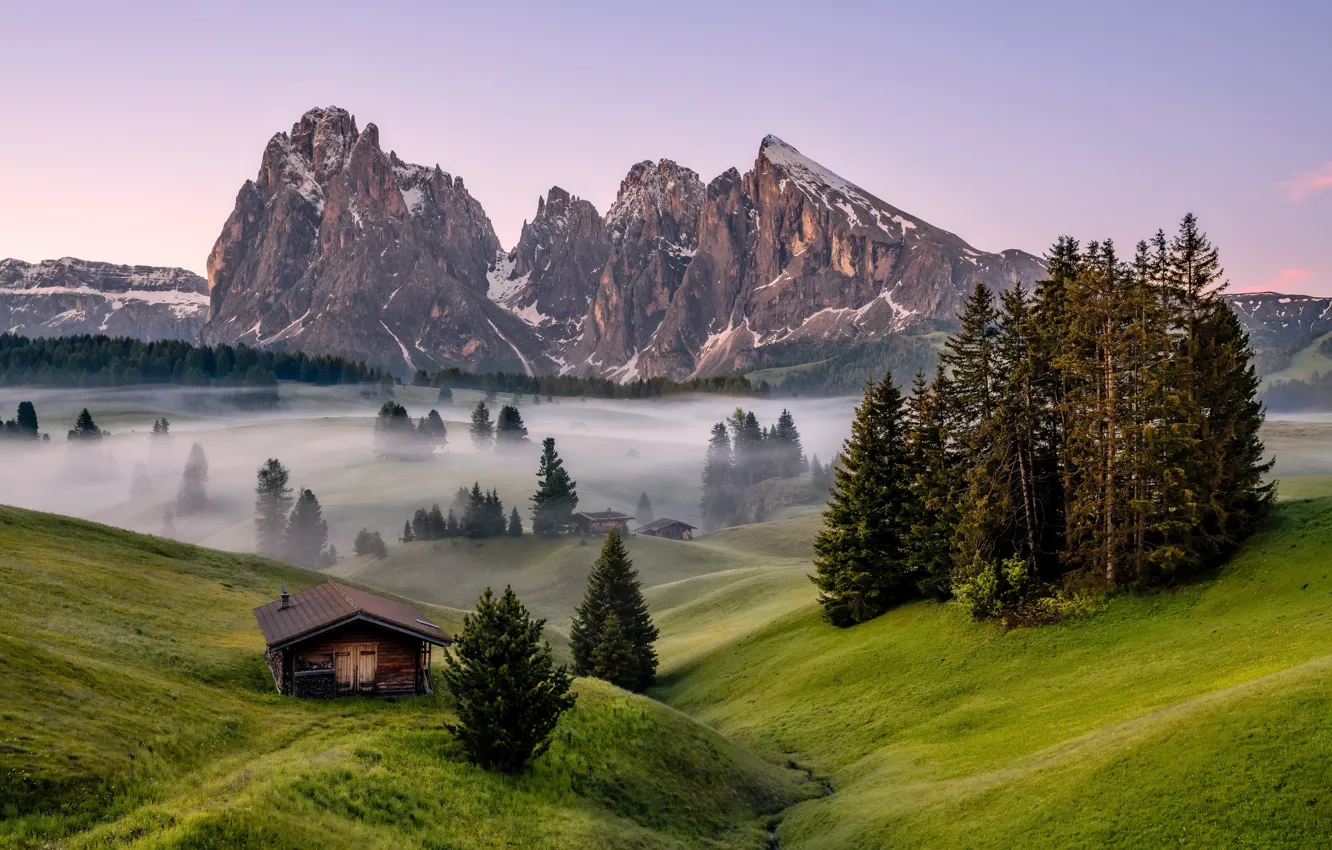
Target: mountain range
(337,247)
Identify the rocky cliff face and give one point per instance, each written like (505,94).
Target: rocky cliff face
(338,248)
(791,252)
(66,297)
(548,278)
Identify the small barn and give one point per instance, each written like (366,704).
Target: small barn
(333,640)
(601,522)
(673,529)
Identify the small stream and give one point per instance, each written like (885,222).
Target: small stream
(828,791)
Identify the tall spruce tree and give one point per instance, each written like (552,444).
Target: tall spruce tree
(193,494)
(789,454)
(556,497)
(515,528)
(509,427)
(860,554)
(934,485)
(508,691)
(272,502)
(84,427)
(720,501)
(613,590)
(643,513)
(474,519)
(307,533)
(482,430)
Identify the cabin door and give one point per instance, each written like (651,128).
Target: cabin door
(367,667)
(344,671)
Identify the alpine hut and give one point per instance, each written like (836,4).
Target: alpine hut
(667,527)
(602,522)
(333,640)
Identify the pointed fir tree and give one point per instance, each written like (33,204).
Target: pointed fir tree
(451,527)
(556,497)
(643,513)
(407,534)
(515,524)
(613,588)
(934,484)
(272,503)
(193,494)
(509,427)
(482,431)
(26,420)
(719,503)
(509,693)
(859,555)
(307,532)
(790,454)
(473,523)
(84,427)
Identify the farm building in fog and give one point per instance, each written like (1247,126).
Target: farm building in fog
(602,522)
(667,527)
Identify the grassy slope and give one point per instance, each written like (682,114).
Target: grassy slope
(138,711)
(1194,717)
(1304,364)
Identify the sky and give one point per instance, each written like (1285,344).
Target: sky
(129,127)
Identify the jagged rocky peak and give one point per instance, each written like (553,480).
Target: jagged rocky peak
(560,218)
(660,199)
(339,247)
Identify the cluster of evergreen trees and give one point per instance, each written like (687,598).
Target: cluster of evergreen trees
(100,361)
(742,453)
(397,437)
(572,386)
(24,424)
(293,529)
(507,431)
(1314,394)
(1104,427)
(476,514)
(369,542)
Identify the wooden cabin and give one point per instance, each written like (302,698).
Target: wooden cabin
(601,522)
(333,640)
(669,528)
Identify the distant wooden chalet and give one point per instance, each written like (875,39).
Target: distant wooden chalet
(331,640)
(667,527)
(602,522)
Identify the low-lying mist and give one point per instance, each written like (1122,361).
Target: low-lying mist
(615,450)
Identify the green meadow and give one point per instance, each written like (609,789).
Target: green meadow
(138,712)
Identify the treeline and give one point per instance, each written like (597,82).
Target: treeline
(475,514)
(1101,431)
(849,367)
(741,453)
(100,361)
(1314,394)
(572,386)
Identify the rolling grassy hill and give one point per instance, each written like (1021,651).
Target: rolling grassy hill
(1193,717)
(137,711)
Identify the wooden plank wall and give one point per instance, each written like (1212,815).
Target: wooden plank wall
(396,673)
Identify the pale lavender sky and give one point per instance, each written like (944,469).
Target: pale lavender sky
(128,128)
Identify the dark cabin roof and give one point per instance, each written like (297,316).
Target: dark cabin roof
(324,606)
(665,523)
(602,516)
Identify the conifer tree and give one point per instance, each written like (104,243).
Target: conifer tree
(193,494)
(643,514)
(790,454)
(369,542)
(473,523)
(431,429)
(719,504)
(860,566)
(451,528)
(407,534)
(613,589)
(437,523)
(421,529)
(307,533)
(168,524)
(481,430)
(272,503)
(934,485)
(509,428)
(508,690)
(556,497)
(85,428)
(515,524)
(26,419)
